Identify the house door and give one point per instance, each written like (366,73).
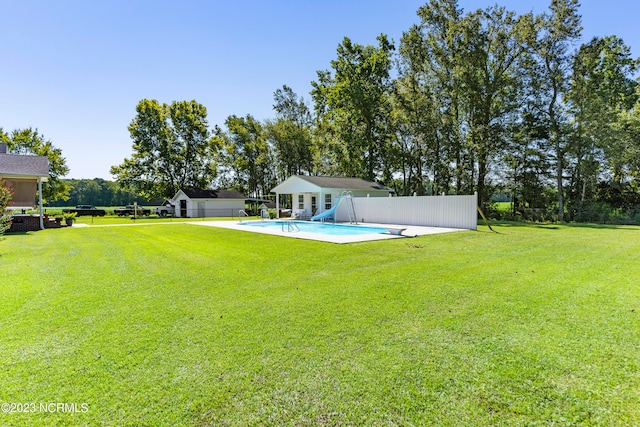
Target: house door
(183,208)
(314,205)
(201,210)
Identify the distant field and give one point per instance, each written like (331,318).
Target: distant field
(503,206)
(108,209)
(179,324)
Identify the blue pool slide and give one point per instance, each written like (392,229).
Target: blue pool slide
(328,213)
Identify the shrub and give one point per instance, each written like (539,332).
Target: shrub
(5,202)
(69,215)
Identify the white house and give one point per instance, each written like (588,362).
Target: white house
(207,203)
(312,195)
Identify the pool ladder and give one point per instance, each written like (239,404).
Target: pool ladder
(291,226)
(351,209)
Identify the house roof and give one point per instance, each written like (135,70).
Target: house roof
(213,194)
(344,183)
(15,165)
(334,183)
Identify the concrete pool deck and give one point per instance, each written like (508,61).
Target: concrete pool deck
(409,231)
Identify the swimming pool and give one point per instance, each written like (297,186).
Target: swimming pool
(316,227)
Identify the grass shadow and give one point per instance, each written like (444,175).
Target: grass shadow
(603,226)
(15,234)
(558,226)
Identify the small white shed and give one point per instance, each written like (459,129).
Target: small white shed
(207,203)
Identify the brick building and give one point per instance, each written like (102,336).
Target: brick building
(24,174)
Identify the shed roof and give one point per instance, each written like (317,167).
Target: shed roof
(17,165)
(213,194)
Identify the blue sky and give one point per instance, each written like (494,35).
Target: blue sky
(76,69)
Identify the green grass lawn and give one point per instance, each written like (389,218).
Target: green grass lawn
(182,324)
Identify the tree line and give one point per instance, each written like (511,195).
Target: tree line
(97,192)
(486,101)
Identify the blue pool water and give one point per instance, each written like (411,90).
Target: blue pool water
(316,227)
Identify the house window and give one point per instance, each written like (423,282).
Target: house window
(314,205)
(327,201)
(300,201)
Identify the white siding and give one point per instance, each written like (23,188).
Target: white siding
(178,212)
(200,208)
(222,207)
(431,211)
(305,210)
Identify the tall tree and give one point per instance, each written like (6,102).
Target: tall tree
(358,109)
(526,162)
(498,42)
(31,142)
(416,150)
(435,53)
(421,102)
(560,28)
(171,150)
(246,156)
(601,90)
(630,124)
(291,134)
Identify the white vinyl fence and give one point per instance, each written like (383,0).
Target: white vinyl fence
(429,211)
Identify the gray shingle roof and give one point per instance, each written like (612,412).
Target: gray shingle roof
(20,165)
(213,194)
(344,183)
